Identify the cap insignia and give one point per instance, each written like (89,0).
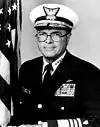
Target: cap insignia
(51,13)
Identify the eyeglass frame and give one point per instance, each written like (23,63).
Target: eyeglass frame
(50,36)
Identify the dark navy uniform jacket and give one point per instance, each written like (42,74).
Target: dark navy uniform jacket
(73,92)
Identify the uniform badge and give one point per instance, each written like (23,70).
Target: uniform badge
(67,89)
(51,12)
(25,90)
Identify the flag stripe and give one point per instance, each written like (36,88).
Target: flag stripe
(5,92)
(4,114)
(4,68)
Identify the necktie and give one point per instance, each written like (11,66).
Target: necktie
(47,76)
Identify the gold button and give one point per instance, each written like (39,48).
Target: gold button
(20,102)
(39,106)
(62,108)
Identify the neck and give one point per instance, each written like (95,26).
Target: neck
(49,60)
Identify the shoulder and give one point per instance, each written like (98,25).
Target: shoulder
(33,63)
(80,64)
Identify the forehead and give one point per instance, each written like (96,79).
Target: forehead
(52,30)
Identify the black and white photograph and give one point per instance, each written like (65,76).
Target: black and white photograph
(49,63)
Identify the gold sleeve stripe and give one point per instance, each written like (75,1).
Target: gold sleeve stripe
(63,123)
(75,123)
(44,124)
(79,122)
(71,122)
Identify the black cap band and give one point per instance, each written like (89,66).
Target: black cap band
(56,19)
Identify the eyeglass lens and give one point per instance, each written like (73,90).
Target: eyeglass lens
(55,36)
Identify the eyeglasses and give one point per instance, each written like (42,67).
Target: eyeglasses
(55,36)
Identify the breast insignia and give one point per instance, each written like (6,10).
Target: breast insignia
(66,89)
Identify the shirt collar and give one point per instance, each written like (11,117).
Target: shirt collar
(55,63)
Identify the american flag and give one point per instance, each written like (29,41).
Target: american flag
(10,31)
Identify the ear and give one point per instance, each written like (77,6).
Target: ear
(68,36)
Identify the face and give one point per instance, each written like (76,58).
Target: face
(50,48)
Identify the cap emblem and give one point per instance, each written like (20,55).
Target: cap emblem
(51,13)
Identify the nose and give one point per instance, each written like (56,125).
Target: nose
(49,40)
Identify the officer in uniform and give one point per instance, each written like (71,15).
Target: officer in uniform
(58,88)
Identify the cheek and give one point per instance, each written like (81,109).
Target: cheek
(40,46)
(61,46)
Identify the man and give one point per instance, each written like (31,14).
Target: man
(57,89)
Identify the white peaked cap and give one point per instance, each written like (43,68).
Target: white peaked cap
(54,15)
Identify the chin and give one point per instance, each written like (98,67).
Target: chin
(50,57)
(49,54)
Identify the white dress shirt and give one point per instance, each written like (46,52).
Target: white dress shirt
(54,64)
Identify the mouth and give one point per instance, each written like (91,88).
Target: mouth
(49,48)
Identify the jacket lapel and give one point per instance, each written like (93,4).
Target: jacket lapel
(62,72)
